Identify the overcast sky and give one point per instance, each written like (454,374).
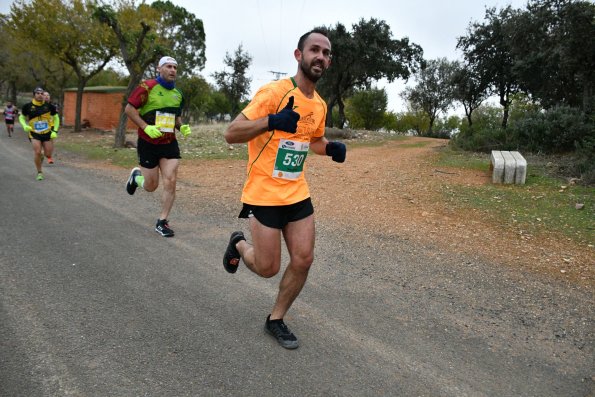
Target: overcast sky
(269,29)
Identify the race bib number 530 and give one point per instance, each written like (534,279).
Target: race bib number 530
(291,156)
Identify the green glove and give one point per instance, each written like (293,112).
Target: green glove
(24,124)
(185,130)
(56,121)
(54,134)
(153,131)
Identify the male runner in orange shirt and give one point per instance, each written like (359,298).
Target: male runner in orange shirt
(284,120)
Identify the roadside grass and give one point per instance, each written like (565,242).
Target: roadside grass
(466,160)
(414,145)
(545,204)
(100,148)
(205,142)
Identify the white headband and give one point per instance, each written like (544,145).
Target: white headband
(165,60)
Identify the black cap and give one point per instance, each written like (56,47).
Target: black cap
(38,89)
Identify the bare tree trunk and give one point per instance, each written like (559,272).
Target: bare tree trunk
(329,112)
(505,117)
(587,98)
(120,139)
(505,103)
(79,105)
(468,111)
(432,119)
(341,113)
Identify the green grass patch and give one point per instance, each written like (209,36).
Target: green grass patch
(543,204)
(414,145)
(103,151)
(207,142)
(465,160)
(371,139)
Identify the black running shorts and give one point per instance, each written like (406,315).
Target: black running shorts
(9,121)
(150,154)
(278,217)
(41,137)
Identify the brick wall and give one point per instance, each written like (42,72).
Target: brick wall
(100,107)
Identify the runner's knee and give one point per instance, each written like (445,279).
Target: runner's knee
(150,185)
(268,270)
(169,183)
(302,262)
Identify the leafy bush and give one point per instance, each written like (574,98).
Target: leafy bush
(365,109)
(554,131)
(557,130)
(480,139)
(585,160)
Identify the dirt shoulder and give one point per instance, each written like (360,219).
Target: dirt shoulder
(395,190)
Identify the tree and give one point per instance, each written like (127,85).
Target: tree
(367,54)
(197,96)
(412,121)
(9,51)
(366,108)
(235,84)
(487,49)
(553,46)
(469,88)
(137,34)
(186,35)
(433,92)
(218,105)
(109,77)
(84,45)
(23,66)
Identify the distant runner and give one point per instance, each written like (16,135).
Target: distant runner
(37,118)
(10,114)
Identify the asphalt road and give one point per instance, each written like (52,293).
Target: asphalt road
(95,303)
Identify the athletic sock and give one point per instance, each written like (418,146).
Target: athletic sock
(140,180)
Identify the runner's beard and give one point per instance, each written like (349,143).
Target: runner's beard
(307,70)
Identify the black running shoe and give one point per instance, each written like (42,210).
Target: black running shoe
(131,184)
(279,331)
(163,228)
(231,258)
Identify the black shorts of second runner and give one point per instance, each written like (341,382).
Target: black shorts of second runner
(9,121)
(150,154)
(279,216)
(40,137)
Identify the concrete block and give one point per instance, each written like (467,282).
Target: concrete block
(521,168)
(509,167)
(497,166)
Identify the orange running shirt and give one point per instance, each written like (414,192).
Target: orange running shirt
(276,158)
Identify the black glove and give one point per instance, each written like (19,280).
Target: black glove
(286,120)
(337,151)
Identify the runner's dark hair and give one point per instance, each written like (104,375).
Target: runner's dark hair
(302,39)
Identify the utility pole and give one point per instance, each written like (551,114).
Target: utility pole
(277,74)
